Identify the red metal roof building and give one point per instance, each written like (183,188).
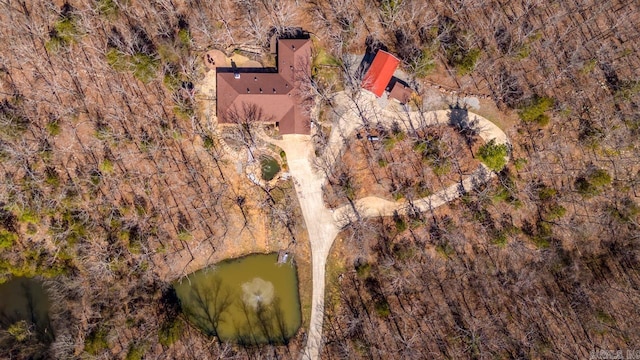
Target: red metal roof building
(380,72)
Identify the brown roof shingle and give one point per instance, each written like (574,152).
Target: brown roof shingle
(277,92)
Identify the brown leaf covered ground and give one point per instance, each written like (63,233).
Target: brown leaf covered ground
(114,183)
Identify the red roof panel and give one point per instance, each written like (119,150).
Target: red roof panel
(380,72)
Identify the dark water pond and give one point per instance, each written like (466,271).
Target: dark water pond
(24,305)
(249,300)
(269,167)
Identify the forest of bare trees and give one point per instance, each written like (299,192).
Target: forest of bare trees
(115,182)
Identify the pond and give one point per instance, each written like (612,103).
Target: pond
(269,167)
(249,300)
(24,309)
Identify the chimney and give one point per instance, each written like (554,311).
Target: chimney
(236,73)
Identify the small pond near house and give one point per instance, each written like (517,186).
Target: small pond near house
(269,167)
(249,300)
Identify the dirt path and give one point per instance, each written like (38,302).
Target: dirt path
(324,225)
(374,206)
(320,225)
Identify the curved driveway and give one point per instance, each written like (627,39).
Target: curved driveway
(323,224)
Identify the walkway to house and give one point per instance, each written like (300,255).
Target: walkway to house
(323,224)
(321,227)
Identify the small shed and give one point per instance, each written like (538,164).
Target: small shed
(401,92)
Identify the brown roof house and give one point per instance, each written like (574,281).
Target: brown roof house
(271,95)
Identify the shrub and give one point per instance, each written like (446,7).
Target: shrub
(64,33)
(171,81)
(534,111)
(363,269)
(441,168)
(107,7)
(144,67)
(389,143)
(500,239)
(463,59)
(588,66)
(401,225)
(184,109)
(519,163)
(184,235)
(493,155)
(523,51)
(556,211)
(96,342)
(66,29)
(502,194)
(626,211)
(136,352)
(7,238)
(542,239)
(382,308)
(207,142)
(13,121)
(106,167)
(541,242)
(584,187)
(423,64)
(185,38)
(19,330)
(445,250)
(403,252)
(590,185)
(117,59)
(467,62)
(627,89)
(605,317)
(170,332)
(547,193)
(28,216)
(53,127)
(600,177)
(51,177)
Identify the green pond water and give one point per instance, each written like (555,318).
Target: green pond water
(249,300)
(24,299)
(269,167)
